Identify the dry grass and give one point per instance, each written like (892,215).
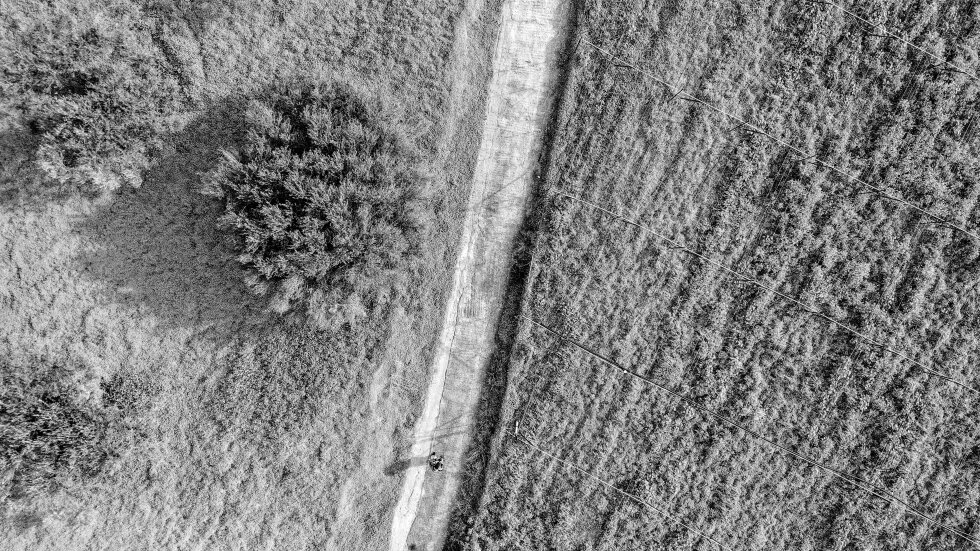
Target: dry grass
(816,79)
(263,434)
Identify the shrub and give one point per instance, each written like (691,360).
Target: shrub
(328,198)
(94,90)
(129,392)
(48,436)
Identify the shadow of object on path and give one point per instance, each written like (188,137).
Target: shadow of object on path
(404,464)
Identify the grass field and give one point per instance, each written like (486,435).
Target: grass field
(759,419)
(256,433)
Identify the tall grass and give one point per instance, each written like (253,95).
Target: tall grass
(748,204)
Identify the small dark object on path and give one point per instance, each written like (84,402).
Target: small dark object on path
(435,462)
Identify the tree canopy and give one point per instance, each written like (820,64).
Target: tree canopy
(328,197)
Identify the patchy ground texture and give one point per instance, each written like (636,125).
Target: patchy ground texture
(605,460)
(258,434)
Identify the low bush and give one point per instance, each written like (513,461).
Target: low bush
(95,91)
(328,197)
(129,393)
(48,435)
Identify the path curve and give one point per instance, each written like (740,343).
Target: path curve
(525,72)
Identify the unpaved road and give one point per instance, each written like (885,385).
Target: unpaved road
(525,70)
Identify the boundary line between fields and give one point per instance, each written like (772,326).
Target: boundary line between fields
(681,94)
(675,245)
(855,481)
(629,495)
(896,37)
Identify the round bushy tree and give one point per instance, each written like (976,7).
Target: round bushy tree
(328,197)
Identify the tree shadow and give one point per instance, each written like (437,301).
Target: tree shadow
(26,520)
(158,246)
(196,13)
(21,183)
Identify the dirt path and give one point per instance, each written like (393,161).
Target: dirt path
(524,75)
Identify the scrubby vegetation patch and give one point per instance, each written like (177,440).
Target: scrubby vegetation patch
(328,197)
(93,90)
(49,436)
